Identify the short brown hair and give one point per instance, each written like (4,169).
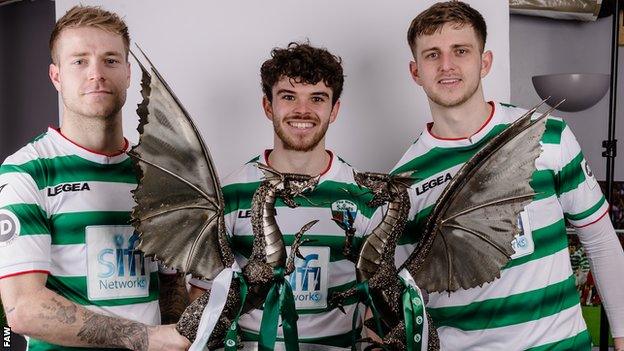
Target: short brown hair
(90,16)
(435,17)
(304,64)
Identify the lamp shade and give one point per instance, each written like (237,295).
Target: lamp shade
(580,90)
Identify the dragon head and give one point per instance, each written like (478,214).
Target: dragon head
(384,187)
(289,185)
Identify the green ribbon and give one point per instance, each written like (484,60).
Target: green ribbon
(279,301)
(364,296)
(231,338)
(414,314)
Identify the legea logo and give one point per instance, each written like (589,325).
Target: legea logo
(306,280)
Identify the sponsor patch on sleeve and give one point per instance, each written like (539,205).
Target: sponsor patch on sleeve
(9,227)
(589,175)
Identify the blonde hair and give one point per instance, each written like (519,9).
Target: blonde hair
(89,16)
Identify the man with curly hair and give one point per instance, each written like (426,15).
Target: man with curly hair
(70,273)
(302,86)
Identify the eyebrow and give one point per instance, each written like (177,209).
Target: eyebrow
(316,93)
(455,46)
(107,53)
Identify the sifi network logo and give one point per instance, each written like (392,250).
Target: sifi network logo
(306,280)
(122,261)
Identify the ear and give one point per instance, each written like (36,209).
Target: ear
(413,67)
(486,63)
(267,107)
(54,72)
(334,112)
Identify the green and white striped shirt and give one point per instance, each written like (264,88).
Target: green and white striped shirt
(65,211)
(534,305)
(325,270)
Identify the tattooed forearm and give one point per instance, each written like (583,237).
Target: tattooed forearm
(173,297)
(58,311)
(110,332)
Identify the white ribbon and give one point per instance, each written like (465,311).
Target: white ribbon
(425,332)
(214,308)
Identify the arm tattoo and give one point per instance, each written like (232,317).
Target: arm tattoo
(57,311)
(110,332)
(173,297)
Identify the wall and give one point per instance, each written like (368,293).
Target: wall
(543,46)
(211,52)
(28,101)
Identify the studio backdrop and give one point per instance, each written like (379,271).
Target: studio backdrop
(210,53)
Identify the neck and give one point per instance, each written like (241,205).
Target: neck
(104,136)
(461,121)
(313,162)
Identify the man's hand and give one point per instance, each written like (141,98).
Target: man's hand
(165,338)
(618,344)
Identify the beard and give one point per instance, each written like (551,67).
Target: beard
(300,143)
(444,100)
(106,108)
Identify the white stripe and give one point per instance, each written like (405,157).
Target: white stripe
(544,272)
(570,147)
(146,312)
(25,253)
(341,272)
(69,260)
(581,199)
(549,159)
(560,326)
(20,189)
(319,325)
(102,196)
(544,212)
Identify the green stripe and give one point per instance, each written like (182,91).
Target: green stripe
(239,196)
(515,309)
(580,342)
(75,290)
(571,175)
(31,217)
(67,169)
(543,183)
(547,241)
(243,244)
(588,212)
(38,345)
(441,159)
(340,340)
(69,228)
(552,134)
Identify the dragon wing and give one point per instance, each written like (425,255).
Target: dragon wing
(468,236)
(179,204)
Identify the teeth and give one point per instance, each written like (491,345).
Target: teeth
(449,81)
(301,125)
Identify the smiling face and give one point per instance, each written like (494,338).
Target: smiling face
(449,65)
(91,73)
(301,114)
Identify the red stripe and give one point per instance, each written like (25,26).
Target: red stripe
(25,272)
(588,224)
(117,153)
(430,125)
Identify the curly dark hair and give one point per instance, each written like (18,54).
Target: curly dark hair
(435,17)
(304,64)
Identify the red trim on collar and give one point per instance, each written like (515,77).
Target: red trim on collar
(267,152)
(430,125)
(58,130)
